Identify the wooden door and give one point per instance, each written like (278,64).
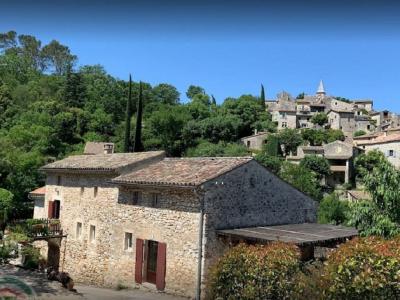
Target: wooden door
(151,264)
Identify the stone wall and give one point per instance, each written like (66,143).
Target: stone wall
(385,148)
(250,196)
(104,261)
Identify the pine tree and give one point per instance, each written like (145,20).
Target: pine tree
(262,97)
(213,101)
(127,141)
(138,145)
(74,91)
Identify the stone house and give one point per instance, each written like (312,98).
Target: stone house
(255,141)
(389,144)
(98,148)
(343,120)
(140,218)
(340,156)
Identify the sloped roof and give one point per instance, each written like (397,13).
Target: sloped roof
(39,193)
(359,195)
(97,147)
(182,171)
(382,139)
(101,162)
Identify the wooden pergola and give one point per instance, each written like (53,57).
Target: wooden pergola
(306,236)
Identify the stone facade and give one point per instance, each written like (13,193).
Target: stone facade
(250,196)
(96,215)
(255,141)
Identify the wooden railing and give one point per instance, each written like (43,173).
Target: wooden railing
(40,228)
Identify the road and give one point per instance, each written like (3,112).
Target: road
(53,290)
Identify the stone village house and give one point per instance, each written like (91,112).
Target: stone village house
(141,218)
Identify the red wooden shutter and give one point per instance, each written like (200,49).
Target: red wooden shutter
(161,266)
(139,261)
(50,209)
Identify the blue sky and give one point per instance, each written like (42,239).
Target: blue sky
(229,47)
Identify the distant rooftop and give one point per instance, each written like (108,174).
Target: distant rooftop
(101,162)
(381,139)
(98,148)
(182,171)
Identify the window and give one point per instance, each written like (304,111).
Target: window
(248,144)
(82,190)
(284,124)
(78,230)
(136,197)
(95,190)
(92,233)
(58,180)
(391,153)
(128,241)
(154,199)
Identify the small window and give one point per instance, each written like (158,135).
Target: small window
(128,241)
(284,124)
(391,152)
(248,144)
(82,190)
(136,197)
(92,233)
(154,199)
(78,230)
(95,190)
(58,180)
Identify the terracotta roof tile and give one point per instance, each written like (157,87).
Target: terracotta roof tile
(101,162)
(381,140)
(39,191)
(182,171)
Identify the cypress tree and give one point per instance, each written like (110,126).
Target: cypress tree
(138,145)
(213,101)
(127,141)
(262,97)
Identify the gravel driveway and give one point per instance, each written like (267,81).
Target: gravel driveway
(53,290)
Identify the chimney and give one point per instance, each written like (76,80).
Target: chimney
(255,131)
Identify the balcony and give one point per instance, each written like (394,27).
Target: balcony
(38,229)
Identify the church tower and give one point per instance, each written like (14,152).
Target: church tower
(321,91)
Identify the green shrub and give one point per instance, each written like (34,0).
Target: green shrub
(273,163)
(256,272)
(7,251)
(332,211)
(364,268)
(32,257)
(359,133)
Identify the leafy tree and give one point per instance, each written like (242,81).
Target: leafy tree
(381,216)
(334,135)
(301,178)
(290,139)
(127,139)
(194,90)
(6,205)
(316,137)
(138,145)
(166,94)
(8,40)
(271,147)
(366,162)
(300,96)
(57,57)
(319,119)
(273,163)
(332,210)
(317,164)
(359,133)
(207,149)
